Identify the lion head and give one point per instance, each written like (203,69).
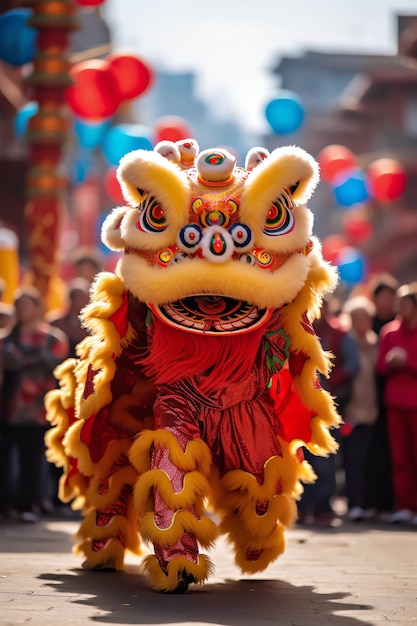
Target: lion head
(211,247)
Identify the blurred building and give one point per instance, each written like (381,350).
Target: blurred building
(174,93)
(369,104)
(365,102)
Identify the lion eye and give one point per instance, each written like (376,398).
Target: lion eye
(189,237)
(152,216)
(279,219)
(242,236)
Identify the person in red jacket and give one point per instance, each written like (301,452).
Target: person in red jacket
(397,362)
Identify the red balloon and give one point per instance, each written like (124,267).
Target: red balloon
(95,93)
(132,75)
(89,3)
(332,246)
(335,160)
(171,128)
(112,187)
(387,179)
(357,229)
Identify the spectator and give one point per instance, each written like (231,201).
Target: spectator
(382,291)
(6,315)
(87,263)
(69,321)
(316,500)
(29,351)
(378,489)
(397,362)
(362,408)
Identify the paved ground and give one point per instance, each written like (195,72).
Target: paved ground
(347,576)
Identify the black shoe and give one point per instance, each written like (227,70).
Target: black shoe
(184,579)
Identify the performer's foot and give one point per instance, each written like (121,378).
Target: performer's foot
(184,579)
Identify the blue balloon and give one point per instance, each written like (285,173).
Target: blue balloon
(351,188)
(99,225)
(91,134)
(124,138)
(81,167)
(352,266)
(17,38)
(285,114)
(22,117)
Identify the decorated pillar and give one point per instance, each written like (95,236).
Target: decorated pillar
(48,131)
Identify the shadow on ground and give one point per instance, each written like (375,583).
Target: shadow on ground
(125,598)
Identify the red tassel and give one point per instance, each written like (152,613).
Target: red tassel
(223,360)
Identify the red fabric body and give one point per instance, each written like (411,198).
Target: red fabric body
(239,419)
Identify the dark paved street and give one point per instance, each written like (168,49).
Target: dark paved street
(347,576)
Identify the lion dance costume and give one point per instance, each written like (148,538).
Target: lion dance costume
(187,409)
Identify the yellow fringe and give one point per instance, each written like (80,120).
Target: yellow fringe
(281,509)
(197,454)
(161,582)
(320,280)
(118,524)
(232,527)
(111,556)
(195,486)
(74,489)
(272,544)
(63,441)
(120,478)
(204,529)
(120,411)
(105,344)
(57,403)
(268,556)
(76,449)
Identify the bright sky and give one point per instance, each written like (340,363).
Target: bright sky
(231,44)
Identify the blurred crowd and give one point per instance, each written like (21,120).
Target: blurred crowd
(373,337)
(372,334)
(32,343)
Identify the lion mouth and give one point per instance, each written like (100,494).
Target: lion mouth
(211,314)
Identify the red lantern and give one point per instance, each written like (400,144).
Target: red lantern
(171,128)
(95,93)
(112,187)
(89,3)
(335,160)
(332,246)
(132,75)
(357,229)
(387,179)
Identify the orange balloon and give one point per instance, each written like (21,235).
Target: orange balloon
(387,179)
(132,75)
(171,128)
(334,160)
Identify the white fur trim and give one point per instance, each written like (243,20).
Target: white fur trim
(110,230)
(143,169)
(155,285)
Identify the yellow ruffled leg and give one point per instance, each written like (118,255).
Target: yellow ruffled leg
(169,496)
(111,524)
(255,514)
